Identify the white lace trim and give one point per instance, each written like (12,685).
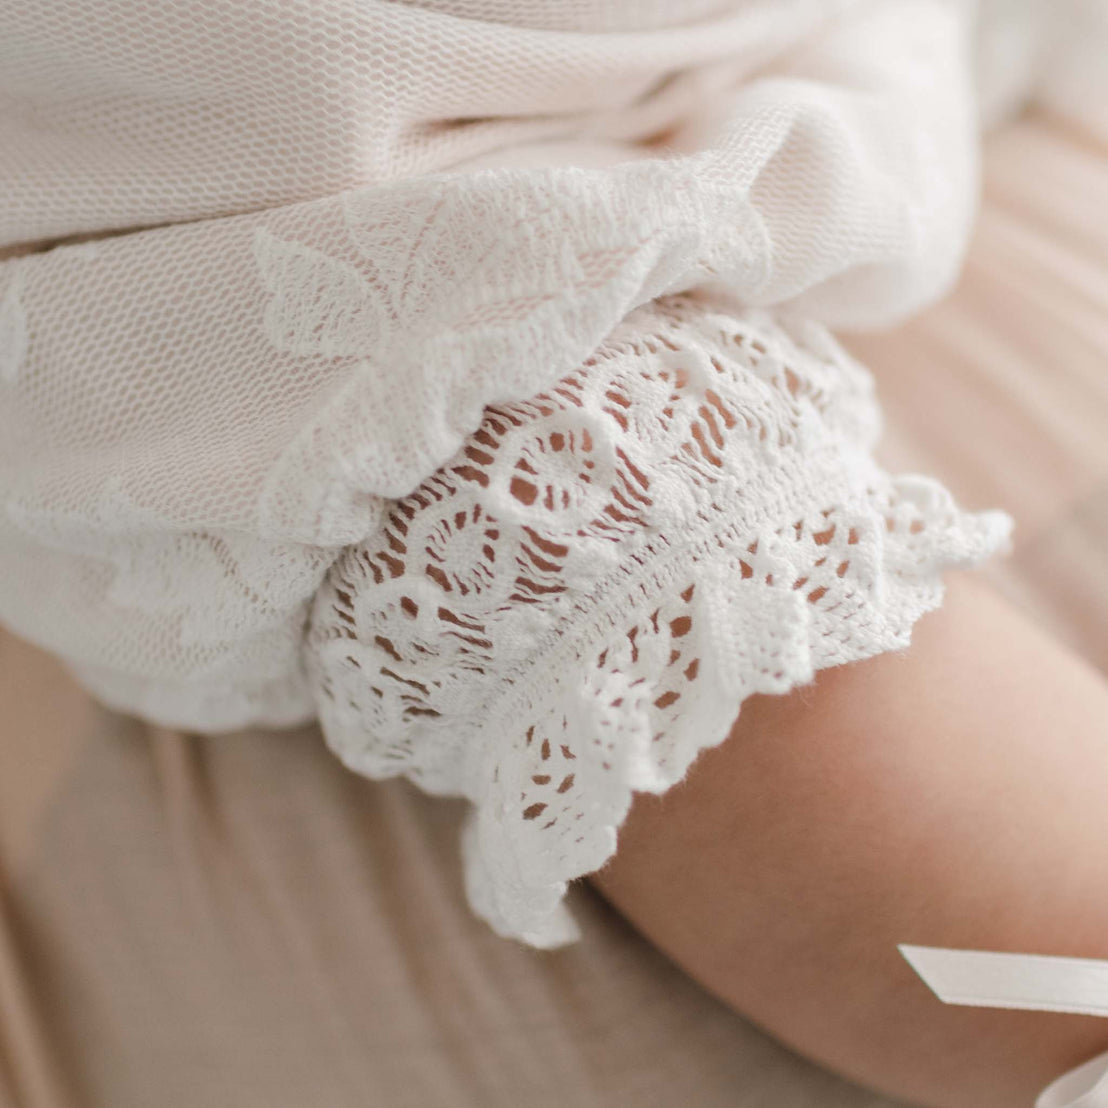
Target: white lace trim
(579,601)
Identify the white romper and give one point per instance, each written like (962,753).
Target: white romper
(458,373)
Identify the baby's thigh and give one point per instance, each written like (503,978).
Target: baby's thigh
(955,794)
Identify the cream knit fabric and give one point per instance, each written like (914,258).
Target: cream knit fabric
(456,371)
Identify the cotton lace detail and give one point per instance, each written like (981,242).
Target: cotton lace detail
(579,601)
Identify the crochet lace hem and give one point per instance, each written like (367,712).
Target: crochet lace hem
(579,602)
(634,715)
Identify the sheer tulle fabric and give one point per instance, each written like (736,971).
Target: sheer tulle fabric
(197,418)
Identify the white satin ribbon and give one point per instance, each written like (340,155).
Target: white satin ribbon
(991,979)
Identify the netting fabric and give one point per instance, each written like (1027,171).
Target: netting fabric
(198,416)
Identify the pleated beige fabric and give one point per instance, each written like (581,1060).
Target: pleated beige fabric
(239,921)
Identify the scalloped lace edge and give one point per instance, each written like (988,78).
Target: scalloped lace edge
(907,585)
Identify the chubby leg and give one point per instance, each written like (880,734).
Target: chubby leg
(955,794)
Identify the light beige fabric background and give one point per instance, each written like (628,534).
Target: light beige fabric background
(239,921)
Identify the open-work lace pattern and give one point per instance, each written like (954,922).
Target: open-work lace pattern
(579,601)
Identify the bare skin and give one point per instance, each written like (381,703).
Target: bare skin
(955,794)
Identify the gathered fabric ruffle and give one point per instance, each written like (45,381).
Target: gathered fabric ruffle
(578,602)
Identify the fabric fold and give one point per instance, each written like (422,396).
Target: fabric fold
(233,400)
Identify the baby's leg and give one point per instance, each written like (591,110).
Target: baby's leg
(952,795)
